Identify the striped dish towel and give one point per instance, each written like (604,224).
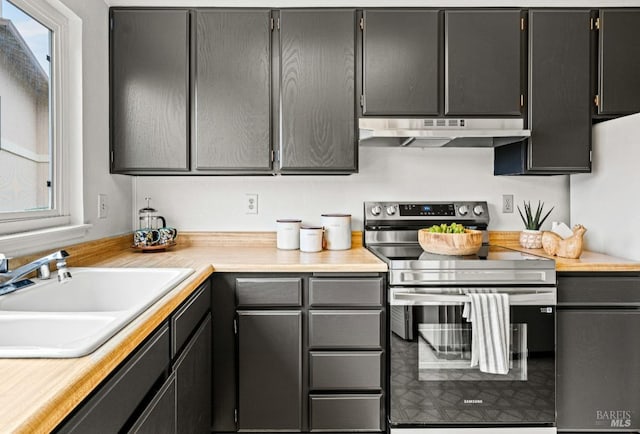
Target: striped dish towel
(490,337)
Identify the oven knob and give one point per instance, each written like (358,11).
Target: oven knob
(391,210)
(478,210)
(463,210)
(376,210)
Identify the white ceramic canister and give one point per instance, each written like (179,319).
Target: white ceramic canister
(337,229)
(311,239)
(288,234)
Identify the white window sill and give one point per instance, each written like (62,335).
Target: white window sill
(35,241)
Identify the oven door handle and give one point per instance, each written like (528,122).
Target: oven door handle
(414,298)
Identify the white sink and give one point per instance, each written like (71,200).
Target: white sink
(72,319)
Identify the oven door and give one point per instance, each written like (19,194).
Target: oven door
(433,382)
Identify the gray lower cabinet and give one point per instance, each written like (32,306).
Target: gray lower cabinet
(150,393)
(401,62)
(483,62)
(193,382)
(232,97)
(598,352)
(299,352)
(347,336)
(270,370)
(115,402)
(149,90)
(560,97)
(619,69)
(317,91)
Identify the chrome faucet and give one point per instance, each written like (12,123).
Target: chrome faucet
(9,279)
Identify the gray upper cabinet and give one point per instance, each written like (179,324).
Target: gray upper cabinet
(560,97)
(317,91)
(232,92)
(483,62)
(149,91)
(401,58)
(560,90)
(619,69)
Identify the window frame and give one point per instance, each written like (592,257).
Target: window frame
(65,122)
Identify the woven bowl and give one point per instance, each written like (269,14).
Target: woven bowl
(467,243)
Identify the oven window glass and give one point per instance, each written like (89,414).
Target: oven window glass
(433,382)
(444,354)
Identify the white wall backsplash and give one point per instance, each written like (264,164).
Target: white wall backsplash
(95,94)
(217,203)
(607,201)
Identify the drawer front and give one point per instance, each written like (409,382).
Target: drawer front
(345,329)
(269,292)
(346,413)
(345,292)
(113,404)
(339,370)
(187,318)
(598,290)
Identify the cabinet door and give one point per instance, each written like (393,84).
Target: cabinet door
(619,84)
(270,370)
(193,382)
(317,87)
(160,415)
(560,92)
(401,62)
(597,369)
(149,90)
(483,62)
(232,92)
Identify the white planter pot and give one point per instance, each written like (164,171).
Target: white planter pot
(530,239)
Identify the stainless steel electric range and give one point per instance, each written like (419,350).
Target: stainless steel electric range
(434,387)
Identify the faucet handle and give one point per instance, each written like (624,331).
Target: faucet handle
(43,272)
(63,274)
(4,263)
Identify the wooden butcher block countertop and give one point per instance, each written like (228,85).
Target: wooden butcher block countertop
(587,262)
(37,394)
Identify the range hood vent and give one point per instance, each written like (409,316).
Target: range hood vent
(441,132)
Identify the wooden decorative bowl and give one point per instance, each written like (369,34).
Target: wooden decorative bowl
(467,243)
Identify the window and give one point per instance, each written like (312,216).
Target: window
(25,114)
(40,116)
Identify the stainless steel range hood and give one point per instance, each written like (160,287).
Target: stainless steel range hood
(440,132)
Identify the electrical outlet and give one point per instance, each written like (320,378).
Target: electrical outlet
(507,203)
(251,203)
(103,206)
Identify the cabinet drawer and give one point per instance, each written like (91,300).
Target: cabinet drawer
(187,318)
(345,329)
(345,412)
(334,370)
(598,290)
(115,401)
(269,292)
(345,292)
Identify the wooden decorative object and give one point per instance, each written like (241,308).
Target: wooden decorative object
(467,243)
(570,247)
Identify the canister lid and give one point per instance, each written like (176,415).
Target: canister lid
(289,221)
(335,215)
(312,227)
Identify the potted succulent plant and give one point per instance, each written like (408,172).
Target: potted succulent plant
(531,236)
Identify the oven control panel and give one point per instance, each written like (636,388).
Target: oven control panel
(440,211)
